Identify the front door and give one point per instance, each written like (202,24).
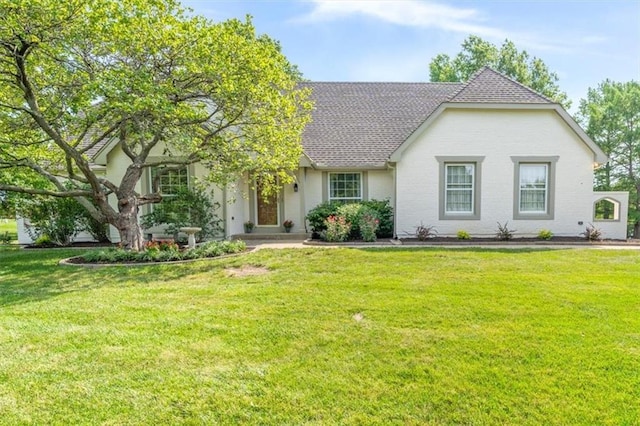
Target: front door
(267,208)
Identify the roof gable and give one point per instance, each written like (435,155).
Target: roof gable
(489,86)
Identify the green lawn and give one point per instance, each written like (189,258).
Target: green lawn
(325,336)
(9,226)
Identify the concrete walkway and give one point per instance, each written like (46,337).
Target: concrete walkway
(287,244)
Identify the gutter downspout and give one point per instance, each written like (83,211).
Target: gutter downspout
(301,179)
(225,211)
(392,166)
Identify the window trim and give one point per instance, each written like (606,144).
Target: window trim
(444,161)
(550,162)
(152,169)
(343,199)
(449,188)
(148,185)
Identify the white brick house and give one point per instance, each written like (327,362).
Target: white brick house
(456,156)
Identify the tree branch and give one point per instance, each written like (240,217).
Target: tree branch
(34,191)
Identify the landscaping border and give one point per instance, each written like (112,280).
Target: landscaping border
(67,261)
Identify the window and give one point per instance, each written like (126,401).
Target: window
(533,188)
(534,180)
(459,197)
(346,187)
(459,188)
(169,180)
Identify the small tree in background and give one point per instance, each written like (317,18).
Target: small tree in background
(611,116)
(477,53)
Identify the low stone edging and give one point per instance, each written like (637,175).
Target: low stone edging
(67,261)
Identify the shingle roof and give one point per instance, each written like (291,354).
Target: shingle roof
(488,85)
(361,124)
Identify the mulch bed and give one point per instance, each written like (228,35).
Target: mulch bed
(515,241)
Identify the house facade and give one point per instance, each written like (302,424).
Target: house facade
(455,156)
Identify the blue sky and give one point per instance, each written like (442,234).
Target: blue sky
(584,42)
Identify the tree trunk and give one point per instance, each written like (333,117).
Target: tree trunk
(636,225)
(127,224)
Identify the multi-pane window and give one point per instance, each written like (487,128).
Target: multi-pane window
(534,188)
(459,188)
(346,187)
(170,181)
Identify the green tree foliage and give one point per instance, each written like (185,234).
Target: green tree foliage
(611,116)
(148,78)
(477,53)
(189,207)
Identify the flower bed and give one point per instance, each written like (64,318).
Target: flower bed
(161,251)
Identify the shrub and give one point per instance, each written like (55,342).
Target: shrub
(319,214)
(161,245)
(43,241)
(57,218)
(424,232)
(368,226)
(98,230)
(337,229)
(189,207)
(545,234)
(6,238)
(504,233)
(592,233)
(463,235)
(384,213)
(353,212)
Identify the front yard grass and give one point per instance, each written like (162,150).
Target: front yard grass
(8,227)
(324,336)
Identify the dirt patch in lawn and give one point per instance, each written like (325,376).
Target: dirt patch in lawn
(246,271)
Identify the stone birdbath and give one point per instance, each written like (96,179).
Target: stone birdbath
(191,234)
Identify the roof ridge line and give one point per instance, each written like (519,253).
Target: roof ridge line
(381,82)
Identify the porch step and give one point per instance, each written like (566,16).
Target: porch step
(280,236)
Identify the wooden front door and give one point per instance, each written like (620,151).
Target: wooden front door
(267,208)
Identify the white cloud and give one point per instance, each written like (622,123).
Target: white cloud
(432,15)
(412,13)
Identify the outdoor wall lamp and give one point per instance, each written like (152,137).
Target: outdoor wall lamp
(295,187)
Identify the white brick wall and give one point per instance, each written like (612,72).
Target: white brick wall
(497,135)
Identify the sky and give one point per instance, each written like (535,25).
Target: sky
(583,42)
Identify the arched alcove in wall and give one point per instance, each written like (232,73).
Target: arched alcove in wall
(606,209)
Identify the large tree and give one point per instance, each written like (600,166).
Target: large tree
(611,117)
(139,74)
(477,53)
